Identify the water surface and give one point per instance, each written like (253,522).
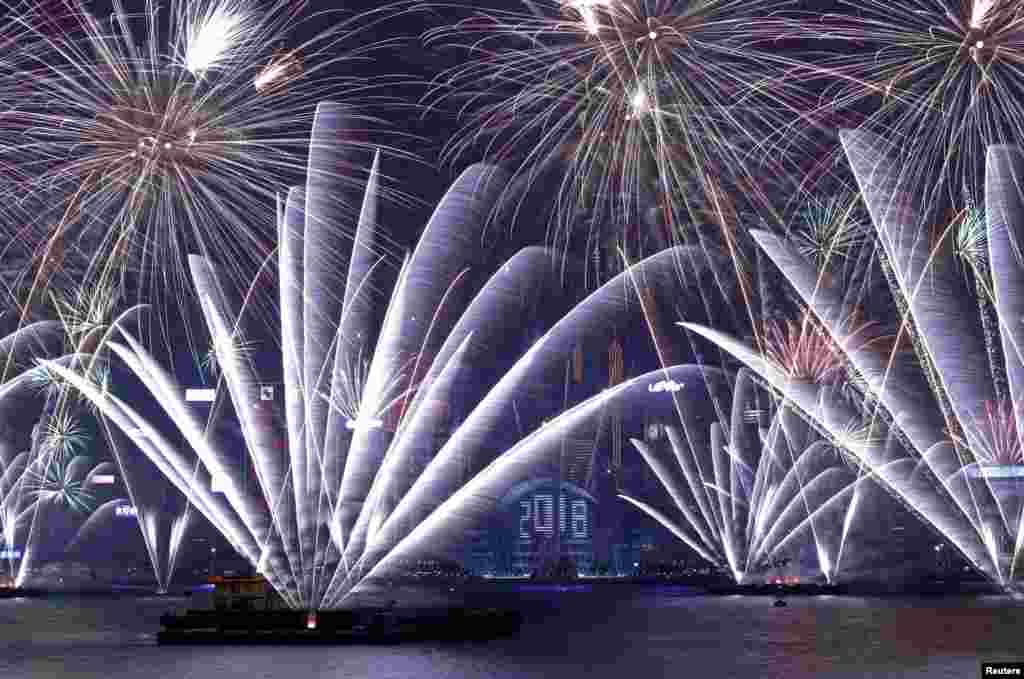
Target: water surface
(581,633)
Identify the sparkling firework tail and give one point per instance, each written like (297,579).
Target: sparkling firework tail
(744,502)
(363,509)
(143,137)
(968,503)
(948,75)
(632,98)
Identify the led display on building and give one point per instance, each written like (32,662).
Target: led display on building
(524,537)
(537,516)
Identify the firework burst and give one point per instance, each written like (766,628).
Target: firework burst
(143,137)
(805,350)
(63,482)
(943,76)
(635,98)
(832,228)
(65,435)
(948,419)
(970,238)
(995,438)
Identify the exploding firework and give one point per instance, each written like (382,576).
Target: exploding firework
(339,503)
(61,481)
(970,238)
(805,351)
(994,435)
(140,138)
(948,424)
(830,229)
(65,436)
(634,103)
(944,77)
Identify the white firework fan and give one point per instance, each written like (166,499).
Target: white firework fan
(340,505)
(947,423)
(746,496)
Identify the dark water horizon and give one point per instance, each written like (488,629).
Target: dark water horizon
(568,633)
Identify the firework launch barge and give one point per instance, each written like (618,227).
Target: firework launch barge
(245,613)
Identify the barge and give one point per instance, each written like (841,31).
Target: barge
(249,611)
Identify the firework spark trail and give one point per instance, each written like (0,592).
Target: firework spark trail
(942,413)
(17,506)
(372,478)
(614,90)
(943,76)
(142,137)
(445,526)
(791,491)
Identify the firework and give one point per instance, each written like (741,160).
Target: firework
(141,138)
(831,229)
(948,439)
(970,238)
(749,497)
(994,435)
(805,351)
(632,101)
(61,482)
(228,347)
(944,77)
(335,509)
(65,436)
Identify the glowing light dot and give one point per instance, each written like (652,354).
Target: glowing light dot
(652,35)
(167,144)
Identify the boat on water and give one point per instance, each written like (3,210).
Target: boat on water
(337,627)
(779,589)
(247,611)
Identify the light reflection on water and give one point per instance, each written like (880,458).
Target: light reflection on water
(572,633)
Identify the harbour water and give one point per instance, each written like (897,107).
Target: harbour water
(569,633)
